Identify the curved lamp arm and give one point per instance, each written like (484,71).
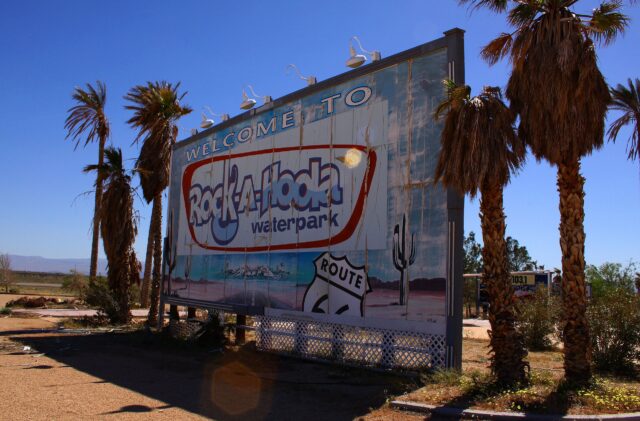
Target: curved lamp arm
(310,79)
(375,55)
(255,94)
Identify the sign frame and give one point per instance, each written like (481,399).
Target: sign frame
(453,43)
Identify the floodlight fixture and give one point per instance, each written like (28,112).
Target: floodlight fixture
(248,103)
(209,122)
(357,60)
(206,122)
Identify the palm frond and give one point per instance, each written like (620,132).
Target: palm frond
(113,166)
(626,99)
(493,5)
(524,13)
(607,22)
(156,108)
(87,116)
(455,96)
(91,168)
(497,49)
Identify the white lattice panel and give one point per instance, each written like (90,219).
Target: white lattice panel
(184,329)
(366,346)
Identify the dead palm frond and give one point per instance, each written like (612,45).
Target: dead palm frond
(157,108)
(556,87)
(118,228)
(479,142)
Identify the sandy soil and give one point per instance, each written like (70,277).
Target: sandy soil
(136,376)
(36,386)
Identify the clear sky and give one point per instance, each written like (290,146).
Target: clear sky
(214,48)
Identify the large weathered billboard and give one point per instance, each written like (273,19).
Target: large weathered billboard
(321,204)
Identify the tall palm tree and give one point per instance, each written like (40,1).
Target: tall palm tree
(627,100)
(156,109)
(118,229)
(480,150)
(561,99)
(88,116)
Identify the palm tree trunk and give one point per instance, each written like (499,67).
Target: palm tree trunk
(507,345)
(577,344)
(93,269)
(156,217)
(144,291)
(122,293)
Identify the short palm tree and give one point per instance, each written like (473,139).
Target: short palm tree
(479,152)
(626,99)
(561,99)
(118,228)
(156,109)
(88,117)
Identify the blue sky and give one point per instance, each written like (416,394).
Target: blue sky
(214,48)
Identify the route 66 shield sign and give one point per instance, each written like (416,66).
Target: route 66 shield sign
(338,287)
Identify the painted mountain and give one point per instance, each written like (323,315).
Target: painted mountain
(418,284)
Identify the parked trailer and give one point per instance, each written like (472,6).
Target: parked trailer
(316,214)
(525,284)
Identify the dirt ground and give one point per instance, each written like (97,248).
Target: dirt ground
(50,375)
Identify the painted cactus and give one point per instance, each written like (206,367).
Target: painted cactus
(187,270)
(400,259)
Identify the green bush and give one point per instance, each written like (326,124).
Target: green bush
(538,318)
(610,276)
(5,311)
(444,377)
(100,296)
(614,318)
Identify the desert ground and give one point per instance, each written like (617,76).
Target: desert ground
(45,374)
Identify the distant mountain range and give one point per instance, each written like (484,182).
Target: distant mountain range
(43,264)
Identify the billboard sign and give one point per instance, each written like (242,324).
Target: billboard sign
(320,205)
(524,284)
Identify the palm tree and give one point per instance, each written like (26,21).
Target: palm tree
(561,99)
(88,117)
(118,229)
(480,150)
(627,100)
(156,109)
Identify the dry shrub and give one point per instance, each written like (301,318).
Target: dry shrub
(538,317)
(614,318)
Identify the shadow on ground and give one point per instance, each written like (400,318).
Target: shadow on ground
(236,384)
